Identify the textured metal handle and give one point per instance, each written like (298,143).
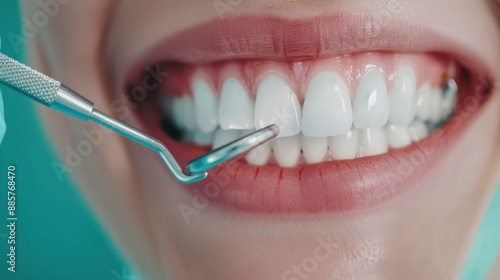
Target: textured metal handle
(32,83)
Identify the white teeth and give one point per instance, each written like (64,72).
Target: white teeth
(402,98)
(371,105)
(223,137)
(190,123)
(448,106)
(436,97)
(205,107)
(327,127)
(398,136)
(276,103)
(203,139)
(246,132)
(286,150)
(372,141)
(260,155)
(183,112)
(327,107)
(418,131)
(313,148)
(424,102)
(177,113)
(236,109)
(344,146)
(187,137)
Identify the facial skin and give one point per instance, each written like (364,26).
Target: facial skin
(423,233)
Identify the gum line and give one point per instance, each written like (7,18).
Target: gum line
(428,68)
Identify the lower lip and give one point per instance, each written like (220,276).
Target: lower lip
(330,186)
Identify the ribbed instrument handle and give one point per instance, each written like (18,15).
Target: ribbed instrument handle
(28,81)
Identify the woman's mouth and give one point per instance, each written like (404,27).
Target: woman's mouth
(357,126)
(330,109)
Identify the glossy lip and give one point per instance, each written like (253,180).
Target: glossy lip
(274,38)
(330,186)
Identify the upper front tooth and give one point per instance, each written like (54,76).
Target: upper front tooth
(236,109)
(276,103)
(371,105)
(286,150)
(205,107)
(402,98)
(327,107)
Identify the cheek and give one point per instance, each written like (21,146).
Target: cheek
(72,55)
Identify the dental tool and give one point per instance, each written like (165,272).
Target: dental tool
(59,97)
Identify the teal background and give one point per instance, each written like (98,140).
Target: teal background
(58,238)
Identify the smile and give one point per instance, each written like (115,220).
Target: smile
(331,109)
(357,123)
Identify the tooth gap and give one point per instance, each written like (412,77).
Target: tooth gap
(171,129)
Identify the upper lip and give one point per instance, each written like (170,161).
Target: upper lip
(274,38)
